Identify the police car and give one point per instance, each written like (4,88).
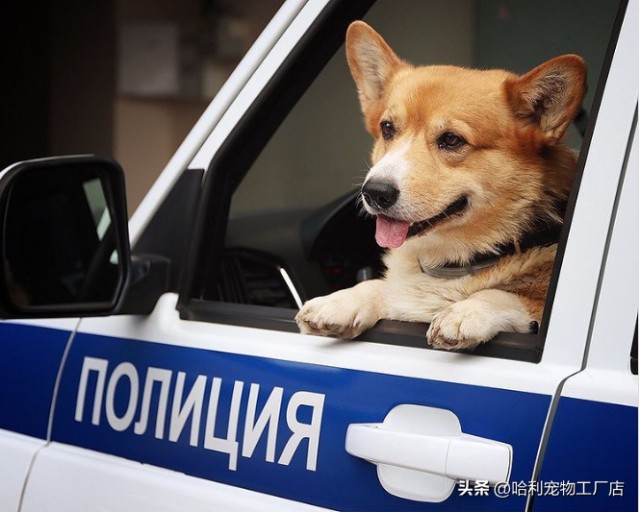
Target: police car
(154,365)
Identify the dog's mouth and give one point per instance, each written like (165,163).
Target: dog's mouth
(392,233)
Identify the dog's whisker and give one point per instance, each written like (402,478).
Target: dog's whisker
(486,198)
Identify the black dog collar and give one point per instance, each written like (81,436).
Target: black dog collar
(543,234)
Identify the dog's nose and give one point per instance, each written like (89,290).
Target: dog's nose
(380,195)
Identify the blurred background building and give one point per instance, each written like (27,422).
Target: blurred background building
(121,78)
(129,78)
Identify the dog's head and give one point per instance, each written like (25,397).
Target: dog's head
(462,157)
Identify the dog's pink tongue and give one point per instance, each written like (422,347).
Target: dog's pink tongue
(390,233)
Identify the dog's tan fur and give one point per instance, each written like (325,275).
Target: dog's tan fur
(512,167)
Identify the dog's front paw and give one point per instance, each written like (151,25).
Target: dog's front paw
(458,327)
(341,314)
(477,319)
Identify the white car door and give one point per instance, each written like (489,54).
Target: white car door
(593,441)
(26,397)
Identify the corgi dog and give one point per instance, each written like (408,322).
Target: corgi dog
(468,186)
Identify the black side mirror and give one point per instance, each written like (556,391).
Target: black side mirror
(64,241)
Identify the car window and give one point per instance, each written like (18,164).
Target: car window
(322,151)
(296,229)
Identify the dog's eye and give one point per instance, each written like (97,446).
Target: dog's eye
(387,129)
(450,140)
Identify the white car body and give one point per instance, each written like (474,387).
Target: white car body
(156,453)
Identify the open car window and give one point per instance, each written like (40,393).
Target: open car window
(282,197)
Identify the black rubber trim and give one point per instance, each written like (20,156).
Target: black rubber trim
(634,351)
(512,346)
(168,233)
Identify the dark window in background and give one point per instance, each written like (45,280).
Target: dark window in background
(58,69)
(66,89)
(24,88)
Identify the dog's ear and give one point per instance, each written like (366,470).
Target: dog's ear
(371,60)
(550,95)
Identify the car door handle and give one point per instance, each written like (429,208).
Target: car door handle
(421,452)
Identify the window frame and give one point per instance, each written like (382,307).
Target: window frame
(232,160)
